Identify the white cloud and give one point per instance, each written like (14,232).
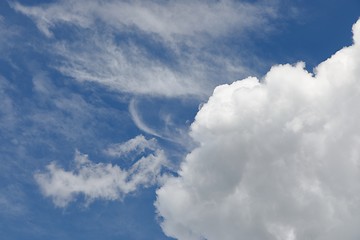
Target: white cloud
(138,120)
(125,68)
(169,130)
(135,145)
(105,47)
(277,159)
(100,180)
(168,19)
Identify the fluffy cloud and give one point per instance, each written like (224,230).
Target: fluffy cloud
(278,158)
(99,180)
(166,48)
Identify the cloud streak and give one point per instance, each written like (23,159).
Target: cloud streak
(139,121)
(102,181)
(106,46)
(278,159)
(136,145)
(167,19)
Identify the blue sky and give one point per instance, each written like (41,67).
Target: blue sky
(110,126)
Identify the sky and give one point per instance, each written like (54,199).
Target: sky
(189,120)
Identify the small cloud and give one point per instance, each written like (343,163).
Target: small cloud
(99,180)
(139,121)
(136,146)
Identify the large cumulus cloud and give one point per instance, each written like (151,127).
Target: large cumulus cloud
(278,158)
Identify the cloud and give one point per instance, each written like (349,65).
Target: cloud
(278,158)
(125,68)
(139,121)
(161,48)
(100,180)
(167,19)
(167,129)
(135,145)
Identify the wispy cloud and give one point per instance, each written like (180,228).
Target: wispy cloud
(122,44)
(137,119)
(168,130)
(136,146)
(167,19)
(104,181)
(277,158)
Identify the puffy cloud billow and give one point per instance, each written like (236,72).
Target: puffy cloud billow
(278,158)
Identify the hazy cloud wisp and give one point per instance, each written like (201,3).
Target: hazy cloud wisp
(100,180)
(105,46)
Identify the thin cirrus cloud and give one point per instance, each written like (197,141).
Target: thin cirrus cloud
(105,46)
(137,145)
(167,19)
(136,117)
(278,159)
(169,131)
(103,181)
